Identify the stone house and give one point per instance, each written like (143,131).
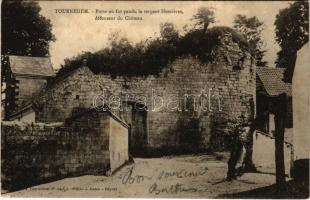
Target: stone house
(269,84)
(89,141)
(177,110)
(24,76)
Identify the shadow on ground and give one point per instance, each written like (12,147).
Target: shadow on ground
(293,190)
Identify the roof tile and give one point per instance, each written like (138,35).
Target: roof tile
(26,65)
(272,80)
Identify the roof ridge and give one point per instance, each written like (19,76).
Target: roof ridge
(30,56)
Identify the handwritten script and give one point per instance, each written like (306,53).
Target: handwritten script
(129,177)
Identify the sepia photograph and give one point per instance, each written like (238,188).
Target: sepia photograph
(155,99)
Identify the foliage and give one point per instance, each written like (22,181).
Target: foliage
(252,29)
(225,132)
(199,44)
(25,31)
(151,56)
(169,33)
(204,17)
(145,58)
(292,31)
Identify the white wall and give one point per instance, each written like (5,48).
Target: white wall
(25,117)
(272,127)
(264,154)
(118,144)
(301,115)
(29,117)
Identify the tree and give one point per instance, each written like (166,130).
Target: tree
(150,56)
(292,32)
(204,17)
(25,31)
(252,29)
(168,32)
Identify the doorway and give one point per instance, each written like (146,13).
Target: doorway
(137,119)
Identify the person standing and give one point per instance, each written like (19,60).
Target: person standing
(239,139)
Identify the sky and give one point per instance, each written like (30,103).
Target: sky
(76,33)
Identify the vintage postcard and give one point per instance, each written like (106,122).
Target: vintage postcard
(155,99)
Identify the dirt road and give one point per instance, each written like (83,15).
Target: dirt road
(192,176)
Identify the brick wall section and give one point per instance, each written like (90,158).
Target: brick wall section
(34,153)
(231,76)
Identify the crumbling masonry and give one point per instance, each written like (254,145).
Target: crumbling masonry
(175,110)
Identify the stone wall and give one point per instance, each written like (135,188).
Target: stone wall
(219,90)
(26,87)
(19,92)
(39,152)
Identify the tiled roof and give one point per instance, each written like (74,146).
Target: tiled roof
(37,66)
(272,80)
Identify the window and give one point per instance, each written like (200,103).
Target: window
(236,67)
(77,97)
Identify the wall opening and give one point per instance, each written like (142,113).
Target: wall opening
(190,134)
(138,130)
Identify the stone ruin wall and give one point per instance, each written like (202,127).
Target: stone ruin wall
(231,76)
(35,153)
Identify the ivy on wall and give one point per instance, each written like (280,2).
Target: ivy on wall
(150,57)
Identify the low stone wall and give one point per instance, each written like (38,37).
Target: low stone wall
(39,152)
